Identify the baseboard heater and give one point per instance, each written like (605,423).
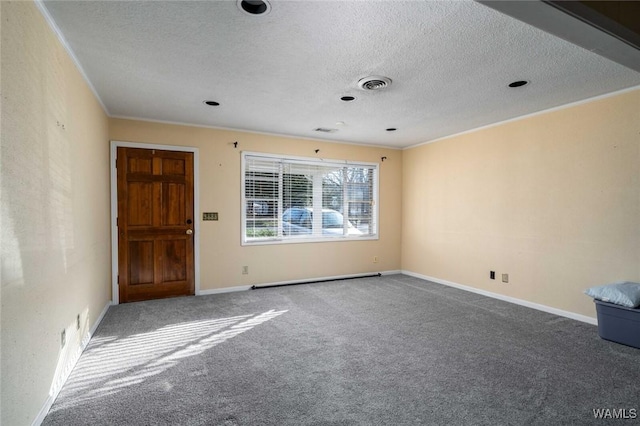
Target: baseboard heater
(255,287)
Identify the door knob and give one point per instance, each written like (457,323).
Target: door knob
(189,231)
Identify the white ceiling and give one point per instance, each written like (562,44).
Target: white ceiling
(284,72)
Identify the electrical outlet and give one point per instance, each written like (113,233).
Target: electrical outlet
(505,278)
(63,338)
(245,270)
(78,322)
(375,259)
(492,275)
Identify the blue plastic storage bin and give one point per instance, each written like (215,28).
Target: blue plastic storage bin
(618,323)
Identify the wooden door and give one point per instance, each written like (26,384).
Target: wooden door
(155,224)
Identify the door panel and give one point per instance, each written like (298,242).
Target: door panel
(140,165)
(139,201)
(174,204)
(174,268)
(141,257)
(155,224)
(173,166)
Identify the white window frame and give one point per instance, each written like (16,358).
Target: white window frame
(311,239)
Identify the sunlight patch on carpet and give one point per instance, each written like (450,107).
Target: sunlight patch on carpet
(113,364)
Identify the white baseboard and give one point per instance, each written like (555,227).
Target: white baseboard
(223,290)
(55,389)
(93,329)
(544,308)
(248,287)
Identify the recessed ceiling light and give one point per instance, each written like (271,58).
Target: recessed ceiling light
(254,7)
(374,82)
(391,129)
(347,98)
(519,83)
(211,103)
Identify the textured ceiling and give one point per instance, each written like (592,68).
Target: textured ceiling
(284,72)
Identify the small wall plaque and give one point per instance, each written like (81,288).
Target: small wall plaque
(210,216)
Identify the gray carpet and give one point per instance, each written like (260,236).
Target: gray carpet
(393,350)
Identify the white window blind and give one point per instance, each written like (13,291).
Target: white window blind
(289,199)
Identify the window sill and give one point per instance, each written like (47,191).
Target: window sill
(275,240)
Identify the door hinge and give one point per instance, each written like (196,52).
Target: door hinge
(118,279)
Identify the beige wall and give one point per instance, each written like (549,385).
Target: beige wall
(54,211)
(222,255)
(553,200)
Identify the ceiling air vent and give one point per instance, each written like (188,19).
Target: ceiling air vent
(374,83)
(325,130)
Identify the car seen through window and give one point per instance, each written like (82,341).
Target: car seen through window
(299,221)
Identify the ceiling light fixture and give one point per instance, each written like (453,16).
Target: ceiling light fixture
(211,103)
(348,98)
(374,82)
(254,7)
(519,83)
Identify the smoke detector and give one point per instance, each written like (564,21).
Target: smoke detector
(374,82)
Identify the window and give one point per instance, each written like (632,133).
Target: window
(290,199)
